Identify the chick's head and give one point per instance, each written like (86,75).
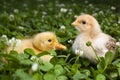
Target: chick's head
(86,23)
(46,41)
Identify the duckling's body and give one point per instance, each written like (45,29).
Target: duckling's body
(26,43)
(90,31)
(44,41)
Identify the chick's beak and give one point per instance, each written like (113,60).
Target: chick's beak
(60,46)
(75,24)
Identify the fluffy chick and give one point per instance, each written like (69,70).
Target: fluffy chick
(44,41)
(90,30)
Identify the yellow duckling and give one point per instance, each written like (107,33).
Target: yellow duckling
(44,41)
(90,30)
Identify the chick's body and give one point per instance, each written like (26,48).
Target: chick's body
(44,41)
(90,31)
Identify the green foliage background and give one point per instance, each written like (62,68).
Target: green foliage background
(36,16)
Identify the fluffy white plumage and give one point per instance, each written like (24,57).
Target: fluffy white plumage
(90,30)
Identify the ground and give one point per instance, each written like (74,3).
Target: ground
(24,18)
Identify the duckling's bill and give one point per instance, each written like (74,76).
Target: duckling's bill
(60,46)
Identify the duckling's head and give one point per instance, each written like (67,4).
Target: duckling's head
(46,41)
(86,23)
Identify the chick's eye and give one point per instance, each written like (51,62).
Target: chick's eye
(49,40)
(83,22)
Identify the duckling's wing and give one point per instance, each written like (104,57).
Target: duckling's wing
(111,44)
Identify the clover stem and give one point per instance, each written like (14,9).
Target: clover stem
(95,53)
(67,57)
(77,58)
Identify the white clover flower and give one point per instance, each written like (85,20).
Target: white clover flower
(33,58)
(64,10)
(4,36)
(79,52)
(18,42)
(96,9)
(16,11)
(75,16)
(113,8)
(44,13)
(25,5)
(10,42)
(14,42)
(42,5)
(118,43)
(34,66)
(43,16)
(24,15)
(70,11)
(86,1)
(70,41)
(35,12)
(21,27)
(59,15)
(56,1)
(62,27)
(101,12)
(95,14)
(90,5)
(11,17)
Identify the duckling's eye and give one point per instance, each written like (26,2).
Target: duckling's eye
(49,40)
(83,22)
